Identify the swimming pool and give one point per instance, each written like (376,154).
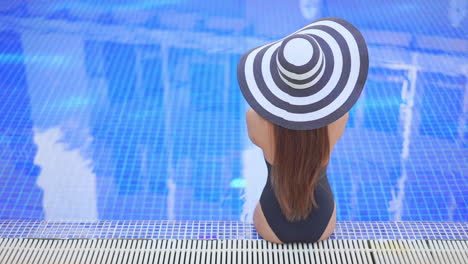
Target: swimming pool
(130,110)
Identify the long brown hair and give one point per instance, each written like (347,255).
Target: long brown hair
(299,155)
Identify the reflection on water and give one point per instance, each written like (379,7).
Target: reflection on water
(66,178)
(255,172)
(457,12)
(137,113)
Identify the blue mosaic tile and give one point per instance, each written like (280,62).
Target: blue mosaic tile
(122,112)
(222,230)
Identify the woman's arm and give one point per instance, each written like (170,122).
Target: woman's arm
(250,118)
(257,128)
(336,129)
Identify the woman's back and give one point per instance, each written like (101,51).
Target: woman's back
(270,221)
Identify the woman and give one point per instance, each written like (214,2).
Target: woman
(301,89)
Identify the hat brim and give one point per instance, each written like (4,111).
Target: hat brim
(319,102)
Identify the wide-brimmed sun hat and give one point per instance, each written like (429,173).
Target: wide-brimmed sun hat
(308,79)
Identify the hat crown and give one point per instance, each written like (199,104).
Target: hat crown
(299,57)
(297,51)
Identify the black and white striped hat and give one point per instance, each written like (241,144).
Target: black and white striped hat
(308,79)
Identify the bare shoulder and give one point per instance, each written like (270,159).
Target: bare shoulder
(336,129)
(258,128)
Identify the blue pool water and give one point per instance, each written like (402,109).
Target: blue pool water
(130,110)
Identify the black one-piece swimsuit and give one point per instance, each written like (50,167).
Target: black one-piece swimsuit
(308,230)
